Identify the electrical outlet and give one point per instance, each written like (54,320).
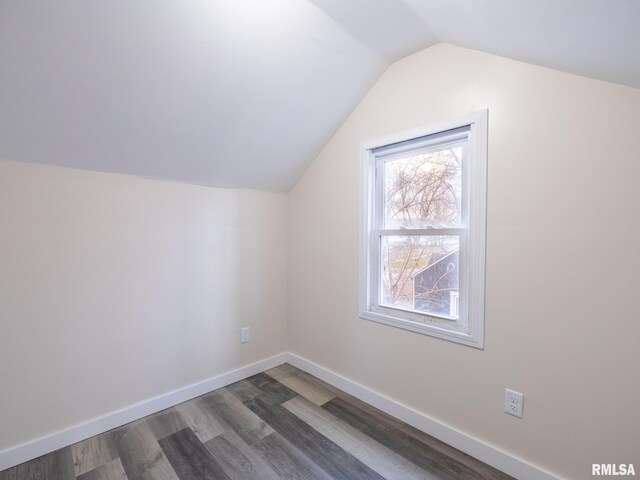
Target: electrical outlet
(244,335)
(513,402)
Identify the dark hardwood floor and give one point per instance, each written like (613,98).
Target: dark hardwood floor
(281,424)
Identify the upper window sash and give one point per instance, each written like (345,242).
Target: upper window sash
(457,137)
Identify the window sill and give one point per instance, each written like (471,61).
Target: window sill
(425,329)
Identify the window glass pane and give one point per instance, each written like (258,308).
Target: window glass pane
(424,190)
(420,273)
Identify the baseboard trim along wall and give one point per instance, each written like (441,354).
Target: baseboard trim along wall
(49,443)
(493,456)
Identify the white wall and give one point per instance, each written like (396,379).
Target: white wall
(116,289)
(563,266)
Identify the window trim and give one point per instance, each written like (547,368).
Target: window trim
(476,226)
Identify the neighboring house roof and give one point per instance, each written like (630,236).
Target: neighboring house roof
(431,265)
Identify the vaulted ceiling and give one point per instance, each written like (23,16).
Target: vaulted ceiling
(245,93)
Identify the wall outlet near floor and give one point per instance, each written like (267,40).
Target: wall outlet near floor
(513,402)
(244,335)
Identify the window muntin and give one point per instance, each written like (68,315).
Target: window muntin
(423,231)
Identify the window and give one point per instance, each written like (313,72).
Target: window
(423,230)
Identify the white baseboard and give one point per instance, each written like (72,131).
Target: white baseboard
(489,454)
(41,446)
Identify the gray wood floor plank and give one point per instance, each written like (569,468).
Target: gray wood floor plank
(435,463)
(384,461)
(326,454)
(57,465)
(93,452)
(165,423)
(238,459)
(271,388)
(196,416)
(312,391)
(379,417)
(282,371)
(244,390)
(287,461)
(190,459)
(310,378)
(112,470)
(140,453)
(234,415)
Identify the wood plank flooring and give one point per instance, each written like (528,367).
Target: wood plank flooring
(281,424)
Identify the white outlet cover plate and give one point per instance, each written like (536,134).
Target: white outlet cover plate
(244,335)
(513,402)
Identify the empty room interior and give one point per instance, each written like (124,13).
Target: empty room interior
(319,239)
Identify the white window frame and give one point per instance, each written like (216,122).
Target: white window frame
(468,329)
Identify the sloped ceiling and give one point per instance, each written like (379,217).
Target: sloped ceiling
(245,93)
(594,38)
